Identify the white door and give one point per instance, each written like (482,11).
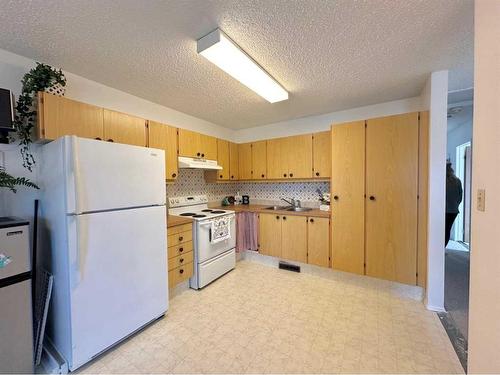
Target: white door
(104,176)
(118,276)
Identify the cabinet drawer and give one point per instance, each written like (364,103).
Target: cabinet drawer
(179,274)
(179,228)
(181,249)
(175,239)
(180,260)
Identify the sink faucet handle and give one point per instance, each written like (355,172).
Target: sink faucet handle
(297,203)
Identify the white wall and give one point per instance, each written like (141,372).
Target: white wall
(434,98)
(484,300)
(456,137)
(318,123)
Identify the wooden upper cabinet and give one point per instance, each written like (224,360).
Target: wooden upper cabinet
(165,137)
(270,234)
(223,159)
(294,238)
(392,204)
(347,197)
(318,241)
(245,161)
(233,161)
(277,166)
(299,156)
(322,154)
(59,116)
(259,160)
(196,145)
(122,128)
(189,143)
(208,147)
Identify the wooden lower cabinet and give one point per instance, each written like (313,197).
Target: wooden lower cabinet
(318,241)
(270,235)
(179,254)
(296,238)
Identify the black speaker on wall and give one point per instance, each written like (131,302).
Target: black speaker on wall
(6,114)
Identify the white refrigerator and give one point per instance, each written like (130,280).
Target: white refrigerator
(103,220)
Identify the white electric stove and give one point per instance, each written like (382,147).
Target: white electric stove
(211,259)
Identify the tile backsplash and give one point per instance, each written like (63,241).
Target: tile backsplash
(192,182)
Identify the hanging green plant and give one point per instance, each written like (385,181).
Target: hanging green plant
(10,182)
(41,78)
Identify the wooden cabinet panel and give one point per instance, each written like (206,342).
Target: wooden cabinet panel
(164,137)
(245,161)
(208,147)
(277,166)
(270,234)
(298,156)
(391,190)
(233,161)
(423,201)
(318,241)
(180,274)
(347,196)
(294,238)
(259,160)
(223,159)
(176,239)
(180,260)
(322,154)
(189,143)
(180,249)
(59,116)
(123,128)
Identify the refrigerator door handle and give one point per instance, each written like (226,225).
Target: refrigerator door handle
(76,175)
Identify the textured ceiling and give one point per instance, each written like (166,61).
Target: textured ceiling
(330,55)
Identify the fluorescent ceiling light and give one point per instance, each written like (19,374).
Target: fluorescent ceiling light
(223,52)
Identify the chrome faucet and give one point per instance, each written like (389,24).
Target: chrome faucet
(295,203)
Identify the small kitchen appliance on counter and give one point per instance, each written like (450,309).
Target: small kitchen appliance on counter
(245,199)
(16,317)
(213,256)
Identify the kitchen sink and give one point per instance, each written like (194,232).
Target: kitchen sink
(276,208)
(299,209)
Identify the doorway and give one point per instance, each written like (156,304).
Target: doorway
(463,172)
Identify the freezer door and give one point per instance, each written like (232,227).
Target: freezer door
(105,176)
(118,277)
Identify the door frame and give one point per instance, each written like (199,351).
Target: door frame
(461,172)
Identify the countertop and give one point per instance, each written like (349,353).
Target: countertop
(173,221)
(315,212)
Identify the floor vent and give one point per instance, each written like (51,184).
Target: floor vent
(289,267)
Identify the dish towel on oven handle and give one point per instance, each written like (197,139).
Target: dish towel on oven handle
(221,229)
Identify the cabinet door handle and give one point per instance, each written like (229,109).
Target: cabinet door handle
(311,220)
(110,140)
(284,174)
(336,197)
(232,177)
(181,249)
(291,174)
(277,217)
(220,176)
(98,138)
(262,175)
(181,260)
(174,175)
(181,238)
(372,198)
(202,155)
(284,217)
(181,271)
(317,173)
(198,154)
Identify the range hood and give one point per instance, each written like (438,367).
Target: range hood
(196,163)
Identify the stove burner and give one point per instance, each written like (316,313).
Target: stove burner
(207,210)
(188,214)
(218,212)
(199,215)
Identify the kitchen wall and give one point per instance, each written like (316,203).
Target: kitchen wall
(192,182)
(484,307)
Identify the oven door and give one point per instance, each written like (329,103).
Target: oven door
(205,249)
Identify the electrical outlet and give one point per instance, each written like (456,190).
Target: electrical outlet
(481,199)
